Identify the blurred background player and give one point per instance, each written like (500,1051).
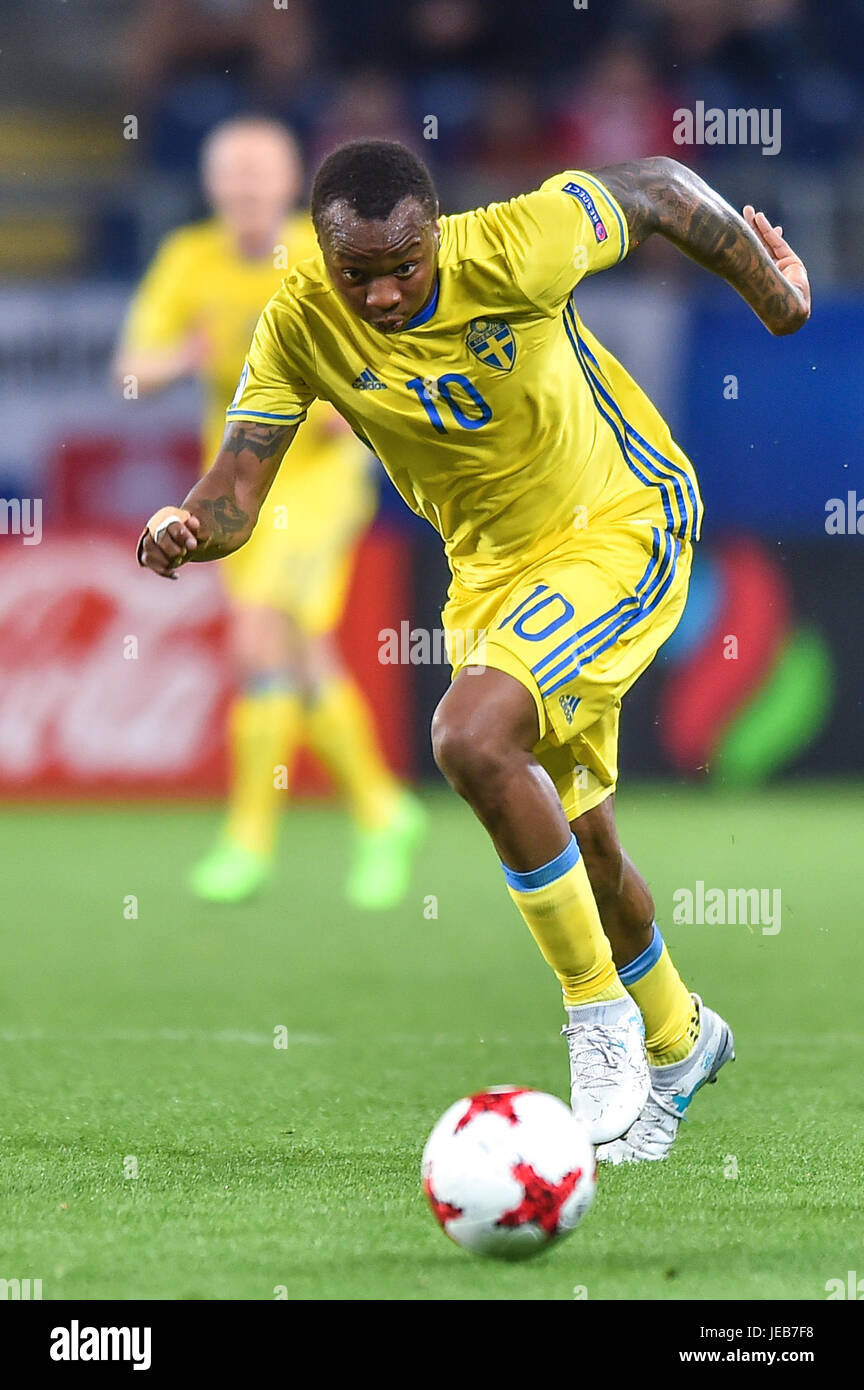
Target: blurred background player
(193,315)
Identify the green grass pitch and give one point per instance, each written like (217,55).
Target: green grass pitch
(148,1045)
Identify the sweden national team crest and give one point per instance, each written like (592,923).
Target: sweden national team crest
(492,342)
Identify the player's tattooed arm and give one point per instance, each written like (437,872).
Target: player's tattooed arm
(661,196)
(228,498)
(219,514)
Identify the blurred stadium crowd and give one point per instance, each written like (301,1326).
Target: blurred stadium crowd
(516,90)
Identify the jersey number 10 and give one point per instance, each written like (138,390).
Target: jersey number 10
(429,391)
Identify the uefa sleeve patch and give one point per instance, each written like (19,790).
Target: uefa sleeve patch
(577,191)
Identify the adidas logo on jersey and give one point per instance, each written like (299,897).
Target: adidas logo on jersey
(568,704)
(368,381)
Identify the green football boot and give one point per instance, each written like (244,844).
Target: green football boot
(229,874)
(380,872)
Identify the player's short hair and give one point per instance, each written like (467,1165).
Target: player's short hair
(372,176)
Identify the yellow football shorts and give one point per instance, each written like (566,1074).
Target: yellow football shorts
(577,628)
(300,557)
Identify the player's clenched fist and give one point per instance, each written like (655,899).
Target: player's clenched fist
(167,540)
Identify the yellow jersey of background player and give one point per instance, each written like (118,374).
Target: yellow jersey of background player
(193,314)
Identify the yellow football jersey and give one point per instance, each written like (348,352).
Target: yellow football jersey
(498,416)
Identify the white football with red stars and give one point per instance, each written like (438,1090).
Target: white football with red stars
(508,1171)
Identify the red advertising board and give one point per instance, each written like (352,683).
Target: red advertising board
(113,682)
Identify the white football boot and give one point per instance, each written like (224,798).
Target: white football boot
(672,1089)
(609,1081)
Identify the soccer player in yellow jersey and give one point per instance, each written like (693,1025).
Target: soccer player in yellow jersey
(454,346)
(193,315)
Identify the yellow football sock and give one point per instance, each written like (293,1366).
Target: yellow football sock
(558,906)
(264,731)
(671,1017)
(340,729)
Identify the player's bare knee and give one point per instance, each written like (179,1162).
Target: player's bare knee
(470,755)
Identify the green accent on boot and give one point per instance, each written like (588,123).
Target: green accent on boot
(380,872)
(229,874)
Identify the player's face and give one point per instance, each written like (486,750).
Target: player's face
(383,271)
(251,177)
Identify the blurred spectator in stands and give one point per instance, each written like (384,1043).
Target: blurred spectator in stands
(617,111)
(728,51)
(448,34)
(260,43)
(511,144)
(193,63)
(366,103)
(445,46)
(780,54)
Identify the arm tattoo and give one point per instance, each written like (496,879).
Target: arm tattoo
(261,440)
(634,189)
(228,498)
(222,521)
(661,195)
(223,516)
